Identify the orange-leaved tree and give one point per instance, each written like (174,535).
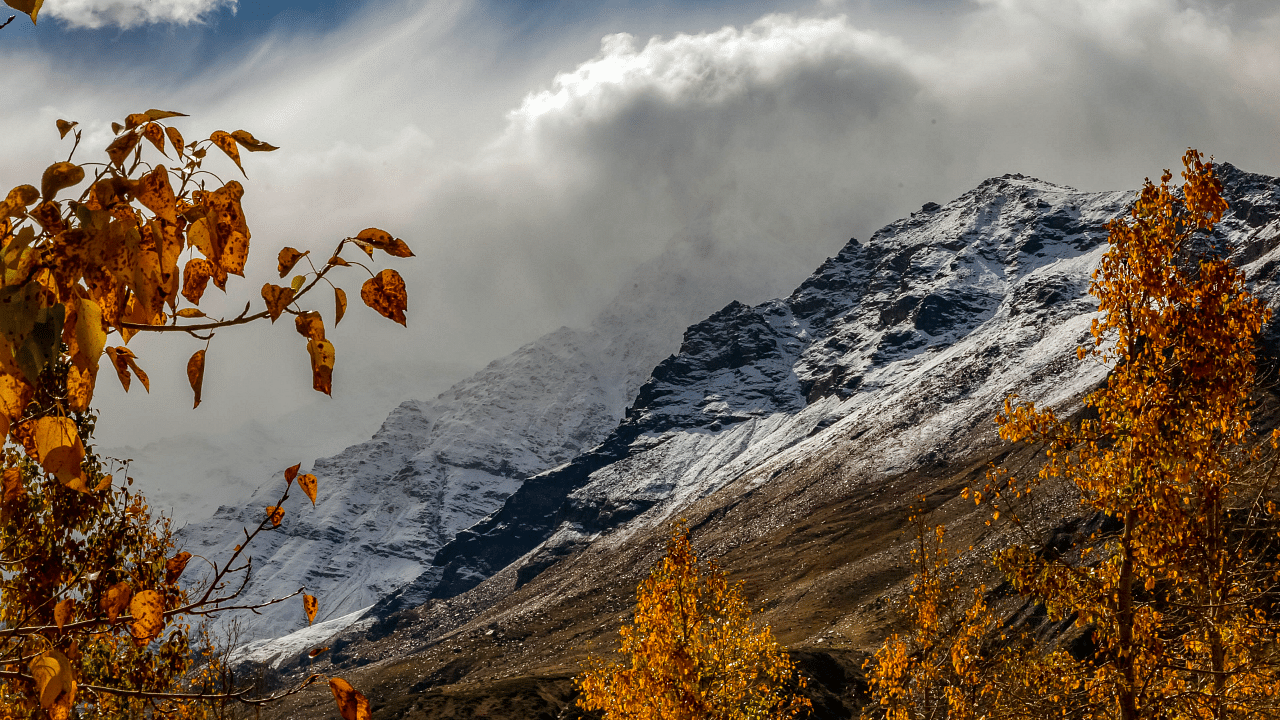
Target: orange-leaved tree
(98,253)
(1179,596)
(692,652)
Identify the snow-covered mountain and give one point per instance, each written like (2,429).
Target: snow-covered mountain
(436,467)
(903,344)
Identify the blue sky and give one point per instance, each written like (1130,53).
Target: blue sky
(533,154)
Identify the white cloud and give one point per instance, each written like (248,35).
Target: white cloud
(127,14)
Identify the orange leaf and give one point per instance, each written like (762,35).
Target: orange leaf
(175,139)
(155,134)
(195,374)
(174,566)
(147,609)
(235,252)
(14,492)
(310,605)
(190,313)
(58,447)
(308,484)
(352,705)
(120,148)
(291,472)
(383,241)
(317,651)
(227,144)
(322,358)
(146,382)
(275,514)
(278,298)
(340,305)
(250,143)
(54,679)
(287,258)
(60,176)
(116,599)
(385,293)
(309,325)
(63,612)
(195,278)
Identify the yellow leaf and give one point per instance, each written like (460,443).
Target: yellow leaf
(14,492)
(91,334)
(156,194)
(308,484)
(30,7)
(58,447)
(63,612)
(277,298)
(51,671)
(14,397)
(195,374)
(275,514)
(190,313)
(385,293)
(352,705)
(322,359)
(147,609)
(310,606)
(60,176)
(340,305)
(227,144)
(297,282)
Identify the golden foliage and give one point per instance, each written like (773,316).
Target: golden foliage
(692,652)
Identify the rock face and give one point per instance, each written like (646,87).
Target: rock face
(904,343)
(437,467)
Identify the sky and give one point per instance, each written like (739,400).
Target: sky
(534,153)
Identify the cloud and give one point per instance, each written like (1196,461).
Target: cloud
(128,14)
(530,189)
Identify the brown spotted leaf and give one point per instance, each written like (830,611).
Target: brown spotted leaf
(116,600)
(60,176)
(156,194)
(382,240)
(275,514)
(133,120)
(322,359)
(308,484)
(174,566)
(309,325)
(195,374)
(250,143)
(190,313)
(287,258)
(175,139)
(227,144)
(291,472)
(147,609)
(385,293)
(352,705)
(339,305)
(195,278)
(278,298)
(155,135)
(310,606)
(63,612)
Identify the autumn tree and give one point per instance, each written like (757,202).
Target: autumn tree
(89,596)
(692,652)
(1179,596)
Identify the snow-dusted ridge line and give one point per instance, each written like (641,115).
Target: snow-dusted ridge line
(904,343)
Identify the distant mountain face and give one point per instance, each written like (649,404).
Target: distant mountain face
(437,467)
(904,344)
